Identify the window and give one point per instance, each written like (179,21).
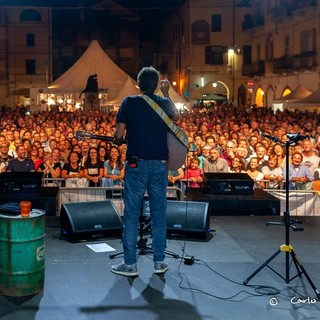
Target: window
(308,40)
(258,52)
(286,45)
(247,60)
(214,55)
(216,23)
(30,15)
(30,40)
(30,66)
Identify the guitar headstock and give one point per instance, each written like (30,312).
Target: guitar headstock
(83,135)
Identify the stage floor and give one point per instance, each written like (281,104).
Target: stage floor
(78,283)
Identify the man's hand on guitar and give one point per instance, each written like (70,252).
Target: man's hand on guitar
(119,142)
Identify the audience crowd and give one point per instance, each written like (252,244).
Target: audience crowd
(227,139)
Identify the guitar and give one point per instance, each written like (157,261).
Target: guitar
(177,151)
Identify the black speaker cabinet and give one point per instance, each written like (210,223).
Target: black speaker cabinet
(85,220)
(188,219)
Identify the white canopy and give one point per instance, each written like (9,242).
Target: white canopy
(298,93)
(310,103)
(130,88)
(175,97)
(93,61)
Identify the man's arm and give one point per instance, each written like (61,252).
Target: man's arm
(164,87)
(119,133)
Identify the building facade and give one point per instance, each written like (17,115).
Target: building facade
(250,51)
(39,43)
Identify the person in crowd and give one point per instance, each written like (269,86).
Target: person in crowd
(194,174)
(210,141)
(242,153)
(273,173)
(261,155)
(279,151)
(113,169)
(300,176)
(146,168)
(310,159)
(298,147)
(93,168)
(4,155)
(64,151)
(44,139)
(33,154)
(197,138)
(214,163)
(72,168)
(254,173)
(26,143)
(229,152)
(205,154)
(238,165)
(52,145)
(175,177)
(72,172)
(76,148)
(51,166)
(20,163)
(316,182)
(103,153)
(253,140)
(84,152)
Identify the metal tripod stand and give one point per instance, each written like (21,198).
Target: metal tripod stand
(287,248)
(144,229)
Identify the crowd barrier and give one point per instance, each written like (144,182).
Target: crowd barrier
(301,202)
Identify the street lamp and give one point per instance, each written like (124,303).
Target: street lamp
(231,55)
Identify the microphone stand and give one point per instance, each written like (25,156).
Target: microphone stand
(288,224)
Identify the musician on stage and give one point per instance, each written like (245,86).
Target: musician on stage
(146,168)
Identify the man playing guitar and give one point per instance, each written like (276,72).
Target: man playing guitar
(146,168)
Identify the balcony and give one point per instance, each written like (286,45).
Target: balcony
(300,4)
(306,60)
(254,69)
(280,12)
(290,63)
(283,65)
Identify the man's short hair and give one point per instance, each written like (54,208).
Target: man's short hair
(148,79)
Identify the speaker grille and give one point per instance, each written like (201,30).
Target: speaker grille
(187,218)
(83,220)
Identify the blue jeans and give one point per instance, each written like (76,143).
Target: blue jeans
(150,176)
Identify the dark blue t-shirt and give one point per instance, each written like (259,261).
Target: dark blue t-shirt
(146,131)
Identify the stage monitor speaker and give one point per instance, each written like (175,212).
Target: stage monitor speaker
(188,219)
(85,220)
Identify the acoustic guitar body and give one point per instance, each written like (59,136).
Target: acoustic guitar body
(177,151)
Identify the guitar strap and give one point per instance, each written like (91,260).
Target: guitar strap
(173,128)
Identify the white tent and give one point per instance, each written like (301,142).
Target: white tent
(310,103)
(298,93)
(93,61)
(175,97)
(130,88)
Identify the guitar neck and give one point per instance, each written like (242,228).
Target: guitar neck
(101,137)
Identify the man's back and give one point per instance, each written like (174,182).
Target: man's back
(146,131)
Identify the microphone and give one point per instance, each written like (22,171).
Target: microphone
(295,137)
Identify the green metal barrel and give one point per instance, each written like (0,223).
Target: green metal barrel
(22,254)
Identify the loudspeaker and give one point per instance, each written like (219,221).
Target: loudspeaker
(85,220)
(188,218)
